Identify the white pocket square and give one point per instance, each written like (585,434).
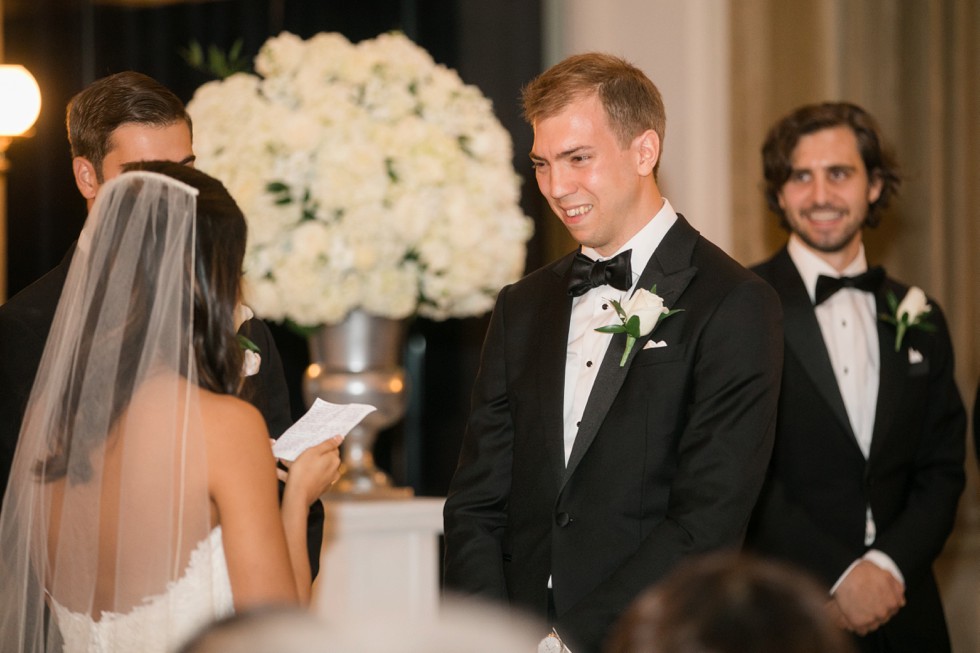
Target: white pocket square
(651,344)
(914,356)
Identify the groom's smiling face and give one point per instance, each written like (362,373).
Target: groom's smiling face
(592,181)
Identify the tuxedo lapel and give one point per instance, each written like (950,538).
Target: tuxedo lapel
(670,270)
(804,338)
(890,376)
(554,316)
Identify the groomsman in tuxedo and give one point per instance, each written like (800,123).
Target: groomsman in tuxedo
(593,462)
(868,464)
(119,119)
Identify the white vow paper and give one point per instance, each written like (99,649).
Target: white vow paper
(321,422)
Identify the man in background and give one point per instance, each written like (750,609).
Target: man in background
(867,468)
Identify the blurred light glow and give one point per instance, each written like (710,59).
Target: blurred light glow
(20,100)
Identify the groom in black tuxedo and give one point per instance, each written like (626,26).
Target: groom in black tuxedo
(868,464)
(120,119)
(589,469)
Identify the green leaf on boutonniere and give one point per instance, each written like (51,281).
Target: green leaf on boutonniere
(248,345)
(633,326)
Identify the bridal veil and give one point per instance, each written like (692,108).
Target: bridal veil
(108,497)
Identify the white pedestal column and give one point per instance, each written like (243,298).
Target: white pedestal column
(379,557)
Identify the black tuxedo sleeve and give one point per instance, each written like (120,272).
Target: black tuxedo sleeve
(20,353)
(783,528)
(267,391)
(976,422)
(475,513)
(25,321)
(723,450)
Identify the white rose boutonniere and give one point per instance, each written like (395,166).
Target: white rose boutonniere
(911,313)
(251,354)
(638,316)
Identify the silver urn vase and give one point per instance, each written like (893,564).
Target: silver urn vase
(359,361)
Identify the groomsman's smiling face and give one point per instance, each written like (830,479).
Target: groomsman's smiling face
(827,195)
(602,191)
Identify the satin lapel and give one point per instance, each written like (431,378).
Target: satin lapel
(803,337)
(670,269)
(554,314)
(890,376)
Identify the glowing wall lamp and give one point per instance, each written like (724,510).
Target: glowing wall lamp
(20,105)
(20,101)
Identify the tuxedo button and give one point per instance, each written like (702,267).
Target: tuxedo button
(563,519)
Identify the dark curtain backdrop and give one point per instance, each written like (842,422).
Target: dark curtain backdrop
(69,43)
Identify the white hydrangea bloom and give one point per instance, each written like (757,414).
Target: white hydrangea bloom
(371,177)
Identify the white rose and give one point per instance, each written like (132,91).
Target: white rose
(648,307)
(914,305)
(251,362)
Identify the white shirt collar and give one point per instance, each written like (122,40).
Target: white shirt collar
(811,266)
(645,241)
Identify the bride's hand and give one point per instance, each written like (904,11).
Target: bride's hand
(315,470)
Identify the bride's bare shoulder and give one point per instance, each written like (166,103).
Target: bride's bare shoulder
(238,443)
(226,420)
(229,418)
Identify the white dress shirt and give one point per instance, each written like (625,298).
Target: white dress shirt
(586,346)
(849,325)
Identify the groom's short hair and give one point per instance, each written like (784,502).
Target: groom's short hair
(108,103)
(631,100)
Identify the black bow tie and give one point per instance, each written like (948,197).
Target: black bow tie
(588,274)
(869,281)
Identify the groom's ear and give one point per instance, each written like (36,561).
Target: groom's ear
(647,147)
(86,178)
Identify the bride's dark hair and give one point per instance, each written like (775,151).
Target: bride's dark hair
(219,248)
(219,251)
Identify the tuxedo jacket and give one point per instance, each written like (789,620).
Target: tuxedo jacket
(25,321)
(812,508)
(668,459)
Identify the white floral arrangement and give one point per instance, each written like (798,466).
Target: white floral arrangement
(371,178)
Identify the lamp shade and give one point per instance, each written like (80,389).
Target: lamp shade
(20,100)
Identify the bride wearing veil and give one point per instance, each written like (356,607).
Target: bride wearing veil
(142,503)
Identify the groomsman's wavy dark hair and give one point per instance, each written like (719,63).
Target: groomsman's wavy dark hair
(108,103)
(777,151)
(632,102)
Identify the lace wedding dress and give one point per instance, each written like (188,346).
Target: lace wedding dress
(163,622)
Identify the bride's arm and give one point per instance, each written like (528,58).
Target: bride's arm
(265,547)
(310,475)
